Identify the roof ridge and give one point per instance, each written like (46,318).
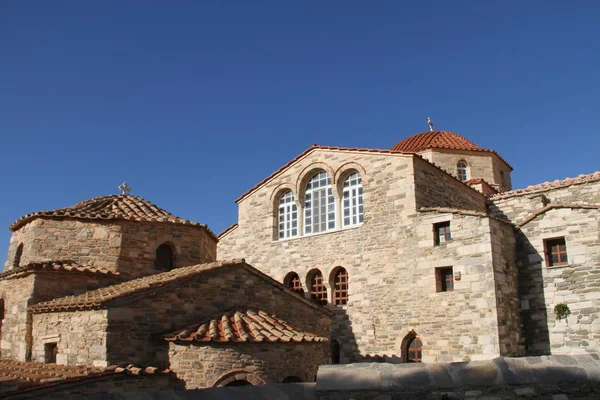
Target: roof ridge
(54,265)
(98,297)
(125,207)
(549,185)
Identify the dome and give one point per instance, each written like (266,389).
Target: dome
(115,207)
(435,139)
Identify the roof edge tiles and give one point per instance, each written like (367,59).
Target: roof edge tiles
(250,326)
(99,298)
(227,230)
(52,266)
(545,186)
(124,207)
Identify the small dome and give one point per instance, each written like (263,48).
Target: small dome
(435,139)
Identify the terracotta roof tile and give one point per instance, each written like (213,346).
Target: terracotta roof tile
(46,266)
(549,186)
(19,376)
(243,327)
(97,298)
(439,140)
(115,207)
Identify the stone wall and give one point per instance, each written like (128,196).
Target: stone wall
(127,247)
(16,325)
(203,366)
(87,243)
(543,286)
(80,337)
(485,165)
(437,189)
(551,378)
(390,259)
(135,326)
(191,245)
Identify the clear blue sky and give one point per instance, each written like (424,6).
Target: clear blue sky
(193,102)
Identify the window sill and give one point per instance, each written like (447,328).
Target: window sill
(558,266)
(444,243)
(346,228)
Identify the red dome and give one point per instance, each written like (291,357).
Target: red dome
(435,139)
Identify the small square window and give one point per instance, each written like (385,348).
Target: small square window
(556,252)
(444,278)
(50,350)
(441,233)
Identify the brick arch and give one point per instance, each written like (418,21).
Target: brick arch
(238,375)
(171,246)
(308,173)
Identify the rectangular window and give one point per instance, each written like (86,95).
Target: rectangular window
(556,252)
(50,350)
(441,232)
(444,278)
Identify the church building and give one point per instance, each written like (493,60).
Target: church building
(425,253)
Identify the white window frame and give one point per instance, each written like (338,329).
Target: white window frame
(465,176)
(287,216)
(352,200)
(319,190)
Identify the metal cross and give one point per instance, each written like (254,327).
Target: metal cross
(430,123)
(125,188)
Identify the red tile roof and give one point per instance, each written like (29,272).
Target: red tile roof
(97,298)
(19,376)
(438,140)
(46,266)
(243,327)
(115,207)
(557,184)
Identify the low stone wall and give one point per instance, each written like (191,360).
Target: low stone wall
(558,377)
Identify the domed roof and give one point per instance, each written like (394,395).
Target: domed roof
(435,139)
(114,207)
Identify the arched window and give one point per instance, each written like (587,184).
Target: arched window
(292,281)
(414,350)
(164,258)
(353,200)
(319,204)
(318,291)
(462,170)
(288,216)
(340,287)
(18,255)
(335,352)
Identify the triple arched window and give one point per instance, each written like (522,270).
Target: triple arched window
(319,209)
(316,284)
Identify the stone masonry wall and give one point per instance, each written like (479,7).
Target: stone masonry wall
(390,259)
(135,326)
(436,189)
(127,247)
(204,366)
(87,243)
(16,294)
(506,277)
(481,164)
(576,284)
(191,246)
(80,337)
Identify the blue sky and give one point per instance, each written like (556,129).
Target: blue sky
(193,102)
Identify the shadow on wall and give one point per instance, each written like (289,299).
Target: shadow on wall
(533,301)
